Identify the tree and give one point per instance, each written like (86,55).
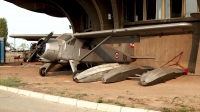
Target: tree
(3,28)
(23,45)
(8,44)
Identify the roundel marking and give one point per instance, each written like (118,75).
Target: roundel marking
(116,55)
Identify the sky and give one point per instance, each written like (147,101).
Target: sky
(22,21)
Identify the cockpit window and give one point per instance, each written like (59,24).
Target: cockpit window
(72,42)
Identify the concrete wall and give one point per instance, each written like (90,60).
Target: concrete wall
(195,55)
(164,49)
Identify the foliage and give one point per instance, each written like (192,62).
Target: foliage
(120,104)
(78,96)
(11,82)
(23,45)
(3,28)
(178,110)
(109,101)
(100,100)
(61,93)
(8,44)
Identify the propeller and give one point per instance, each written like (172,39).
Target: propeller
(46,39)
(39,47)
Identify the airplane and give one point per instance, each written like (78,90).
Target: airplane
(90,47)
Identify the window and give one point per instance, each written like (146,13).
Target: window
(176,8)
(72,42)
(87,24)
(85,21)
(159,9)
(86,45)
(167,7)
(191,6)
(139,10)
(151,9)
(129,10)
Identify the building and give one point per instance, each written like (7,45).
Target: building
(94,15)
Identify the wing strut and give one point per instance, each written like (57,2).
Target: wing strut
(95,47)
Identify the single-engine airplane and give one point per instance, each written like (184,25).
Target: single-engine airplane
(89,47)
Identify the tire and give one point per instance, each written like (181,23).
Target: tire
(25,59)
(41,71)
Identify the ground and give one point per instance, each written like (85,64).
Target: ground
(180,93)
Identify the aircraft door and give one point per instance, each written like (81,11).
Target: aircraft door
(70,49)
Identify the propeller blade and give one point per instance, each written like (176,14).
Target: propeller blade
(32,56)
(47,38)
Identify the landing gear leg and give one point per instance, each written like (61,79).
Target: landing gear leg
(45,68)
(73,65)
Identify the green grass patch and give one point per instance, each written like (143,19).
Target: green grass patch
(177,110)
(132,106)
(120,97)
(61,93)
(109,101)
(100,100)
(12,82)
(78,96)
(120,104)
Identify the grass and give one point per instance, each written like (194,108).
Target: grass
(128,93)
(109,101)
(120,97)
(61,93)
(120,104)
(132,106)
(177,110)
(78,96)
(12,82)
(100,100)
(50,90)
(38,84)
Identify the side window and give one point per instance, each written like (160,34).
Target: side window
(129,10)
(151,9)
(191,6)
(86,45)
(72,42)
(139,10)
(176,8)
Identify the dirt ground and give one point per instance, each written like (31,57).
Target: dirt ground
(180,93)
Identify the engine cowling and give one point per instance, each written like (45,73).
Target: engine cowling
(49,50)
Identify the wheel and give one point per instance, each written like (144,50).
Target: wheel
(25,59)
(42,71)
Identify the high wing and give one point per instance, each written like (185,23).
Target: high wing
(32,37)
(124,35)
(141,31)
